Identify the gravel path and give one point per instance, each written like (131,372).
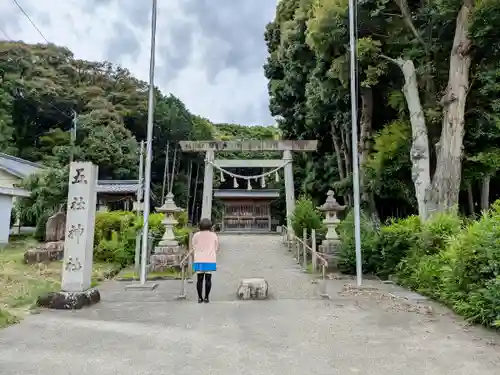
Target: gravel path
(294,333)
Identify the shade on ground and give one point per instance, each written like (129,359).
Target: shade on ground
(295,332)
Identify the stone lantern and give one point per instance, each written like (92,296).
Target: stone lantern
(169,208)
(331,208)
(168,251)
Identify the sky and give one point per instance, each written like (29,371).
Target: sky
(209,53)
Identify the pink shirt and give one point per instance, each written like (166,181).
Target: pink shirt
(205,245)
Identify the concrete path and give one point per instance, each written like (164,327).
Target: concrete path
(295,332)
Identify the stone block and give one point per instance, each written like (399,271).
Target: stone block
(69,300)
(45,253)
(254,288)
(167,249)
(332,248)
(162,262)
(55,227)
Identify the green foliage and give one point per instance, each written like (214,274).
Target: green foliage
(451,261)
(395,241)
(422,268)
(6,318)
(369,240)
(116,233)
(49,191)
(305,216)
(471,283)
(114,237)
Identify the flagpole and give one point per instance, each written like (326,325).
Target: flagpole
(149,148)
(354,131)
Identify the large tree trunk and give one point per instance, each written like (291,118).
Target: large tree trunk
(446,180)
(364,138)
(367,197)
(339,156)
(419,153)
(470,199)
(338,152)
(346,151)
(485,192)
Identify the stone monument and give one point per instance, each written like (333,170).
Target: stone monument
(53,248)
(76,290)
(331,244)
(168,253)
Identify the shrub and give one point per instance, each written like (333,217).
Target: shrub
(305,216)
(116,233)
(422,268)
(369,243)
(471,279)
(113,221)
(41,226)
(395,241)
(454,263)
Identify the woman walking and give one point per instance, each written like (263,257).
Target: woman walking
(205,246)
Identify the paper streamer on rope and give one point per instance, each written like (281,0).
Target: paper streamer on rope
(234,175)
(222,179)
(249,185)
(262,182)
(235,183)
(277,177)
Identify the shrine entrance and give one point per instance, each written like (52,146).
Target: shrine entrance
(248,211)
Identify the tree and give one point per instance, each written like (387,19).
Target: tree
(431,65)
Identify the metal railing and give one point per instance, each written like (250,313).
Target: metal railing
(298,245)
(187,261)
(301,248)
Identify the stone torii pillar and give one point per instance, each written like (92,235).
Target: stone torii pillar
(289,188)
(208,184)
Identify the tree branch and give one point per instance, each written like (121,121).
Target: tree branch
(405,12)
(397,61)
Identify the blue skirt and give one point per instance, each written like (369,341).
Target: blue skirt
(204,267)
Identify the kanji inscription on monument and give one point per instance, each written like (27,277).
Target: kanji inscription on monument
(78,203)
(80,222)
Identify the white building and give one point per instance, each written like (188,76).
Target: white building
(12,171)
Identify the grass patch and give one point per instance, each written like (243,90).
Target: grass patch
(6,318)
(21,284)
(130,274)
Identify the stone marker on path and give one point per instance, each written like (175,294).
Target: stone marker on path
(254,288)
(76,290)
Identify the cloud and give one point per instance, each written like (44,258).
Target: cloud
(209,53)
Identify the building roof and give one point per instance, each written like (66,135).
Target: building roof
(17,166)
(241,193)
(118,186)
(15,192)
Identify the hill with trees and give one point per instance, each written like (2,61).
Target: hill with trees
(45,91)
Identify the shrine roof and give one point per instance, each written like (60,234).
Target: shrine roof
(18,167)
(243,193)
(118,186)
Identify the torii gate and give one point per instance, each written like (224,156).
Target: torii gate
(285,146)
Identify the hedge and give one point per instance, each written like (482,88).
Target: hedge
(116,232)
(454,261)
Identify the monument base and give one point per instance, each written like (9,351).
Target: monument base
(69,300)
(331,252)
(165,257)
